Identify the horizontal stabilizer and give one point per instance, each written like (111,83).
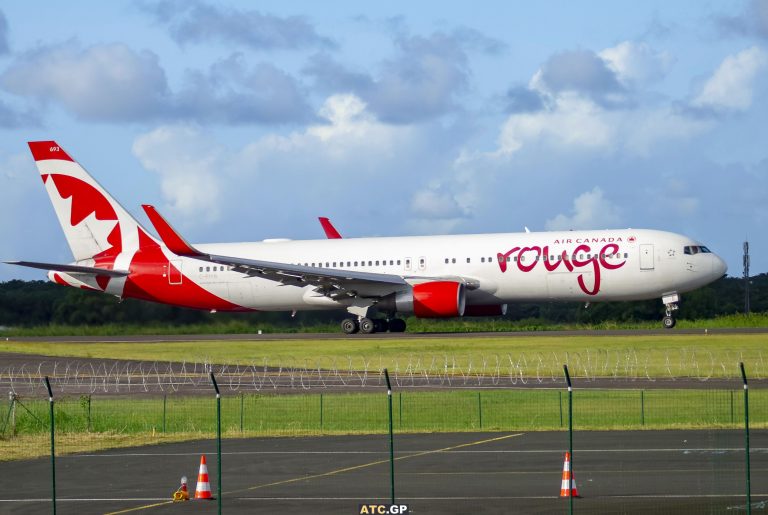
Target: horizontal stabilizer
(72,269)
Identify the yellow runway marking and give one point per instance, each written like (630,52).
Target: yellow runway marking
(145,507)
(335,472)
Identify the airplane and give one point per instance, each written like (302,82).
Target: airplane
(427,276)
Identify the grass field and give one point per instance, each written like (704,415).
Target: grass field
(97,423)
(674,355)
(415,325)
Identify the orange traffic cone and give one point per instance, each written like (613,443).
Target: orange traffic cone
(203,489)
(569,482)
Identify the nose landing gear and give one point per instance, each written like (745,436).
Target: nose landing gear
(670,300)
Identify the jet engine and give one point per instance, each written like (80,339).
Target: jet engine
(437,299)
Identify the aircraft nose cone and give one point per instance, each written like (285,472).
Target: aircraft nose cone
(719,268)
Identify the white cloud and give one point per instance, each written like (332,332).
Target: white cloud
(344,161)
(113,83)
(102,82)
(436,203)
(636,63)
(190,169)
(730,86)
(350,133)
(591,210)
(574,121)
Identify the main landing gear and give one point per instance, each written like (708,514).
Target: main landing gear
(670,301)
(367,325)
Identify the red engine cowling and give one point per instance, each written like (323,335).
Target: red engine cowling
(488,310)
(439,299)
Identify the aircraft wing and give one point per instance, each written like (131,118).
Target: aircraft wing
(330,282)
(72,269)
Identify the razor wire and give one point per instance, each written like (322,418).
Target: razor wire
(286,374)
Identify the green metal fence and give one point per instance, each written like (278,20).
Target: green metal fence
(93,422)
(337,413)
(90,423)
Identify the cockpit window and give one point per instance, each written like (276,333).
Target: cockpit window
(696,249)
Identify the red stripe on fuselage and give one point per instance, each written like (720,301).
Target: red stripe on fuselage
(149,281)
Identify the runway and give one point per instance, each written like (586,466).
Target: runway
(616,472)
(376,336)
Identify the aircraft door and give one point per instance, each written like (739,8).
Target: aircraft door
(174,271)
(646,257)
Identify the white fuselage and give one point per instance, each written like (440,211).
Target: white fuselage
(587,266)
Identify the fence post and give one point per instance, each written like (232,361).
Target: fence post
(242,407)
(746,436)
(642,407)
(560,401)
(391,439)
(164,411)
(53,445)
(400,400)
(480,409)
(570,436)
(321,411)
(89,413)
(218,438)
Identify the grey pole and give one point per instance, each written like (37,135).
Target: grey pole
(53,445)
(391,439)
(570,436)
(218,438)
(746,436)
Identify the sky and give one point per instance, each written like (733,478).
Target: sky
(244,120)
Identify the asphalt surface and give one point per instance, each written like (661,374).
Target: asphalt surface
(377,336)
(616,472)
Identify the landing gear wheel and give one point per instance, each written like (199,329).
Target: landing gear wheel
(367,326)
(397,325)
(349,326)
(380,325)
(669,322)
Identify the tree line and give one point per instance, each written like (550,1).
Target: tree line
(40,303)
